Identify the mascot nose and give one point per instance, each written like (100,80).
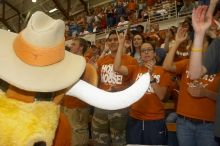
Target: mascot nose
(110,100)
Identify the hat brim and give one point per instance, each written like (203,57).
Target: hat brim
(39,79)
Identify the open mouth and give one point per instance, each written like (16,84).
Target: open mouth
(183,54)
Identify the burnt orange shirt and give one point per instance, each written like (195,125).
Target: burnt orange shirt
(149,107)
(110,80)
(132,6)
(198,108)
(73,102)
(88,54)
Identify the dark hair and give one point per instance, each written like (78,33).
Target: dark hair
(191,30)
(173,30)
(83,43)
(141,27)
(143,39)
(89,43)
(139,13)
(112,32)
(152,43)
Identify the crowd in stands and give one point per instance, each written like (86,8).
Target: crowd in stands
(122,12)
(122,57)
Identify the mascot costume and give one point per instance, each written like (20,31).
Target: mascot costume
(35,61)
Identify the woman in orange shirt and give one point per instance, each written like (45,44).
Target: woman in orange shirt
(146,123)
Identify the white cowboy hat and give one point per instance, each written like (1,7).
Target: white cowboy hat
(36,60)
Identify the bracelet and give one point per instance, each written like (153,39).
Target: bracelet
(196,50)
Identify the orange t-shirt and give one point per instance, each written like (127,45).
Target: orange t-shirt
(88,54)
(198,108)
(132,6)
(149,107)
(73,102)
(110,80)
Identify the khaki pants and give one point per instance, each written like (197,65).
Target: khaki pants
(78,118)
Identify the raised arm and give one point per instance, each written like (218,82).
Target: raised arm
(201,21)
(168,63)
(117,62)
(212,6)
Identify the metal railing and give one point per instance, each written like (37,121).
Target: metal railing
(157,14)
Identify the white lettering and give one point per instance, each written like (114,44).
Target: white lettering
(109,76)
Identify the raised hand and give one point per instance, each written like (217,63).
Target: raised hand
(150,66)
(122,38)
(181,35)
(196,92)
(201,20)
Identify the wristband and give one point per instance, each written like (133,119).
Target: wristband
(197,50)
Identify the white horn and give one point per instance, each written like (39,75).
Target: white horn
(110,100)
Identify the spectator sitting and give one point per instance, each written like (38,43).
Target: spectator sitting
(96,27)
(169,38)
(84,31)
(140,28)
(132,17)
(73,28)
(122,21)
(187,7)
(142,15)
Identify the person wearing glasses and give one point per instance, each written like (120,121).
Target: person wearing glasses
(146,124)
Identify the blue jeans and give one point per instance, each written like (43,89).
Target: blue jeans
(195,134)
(146,132)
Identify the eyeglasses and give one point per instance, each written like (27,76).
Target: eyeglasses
(146,50)
(112,39)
